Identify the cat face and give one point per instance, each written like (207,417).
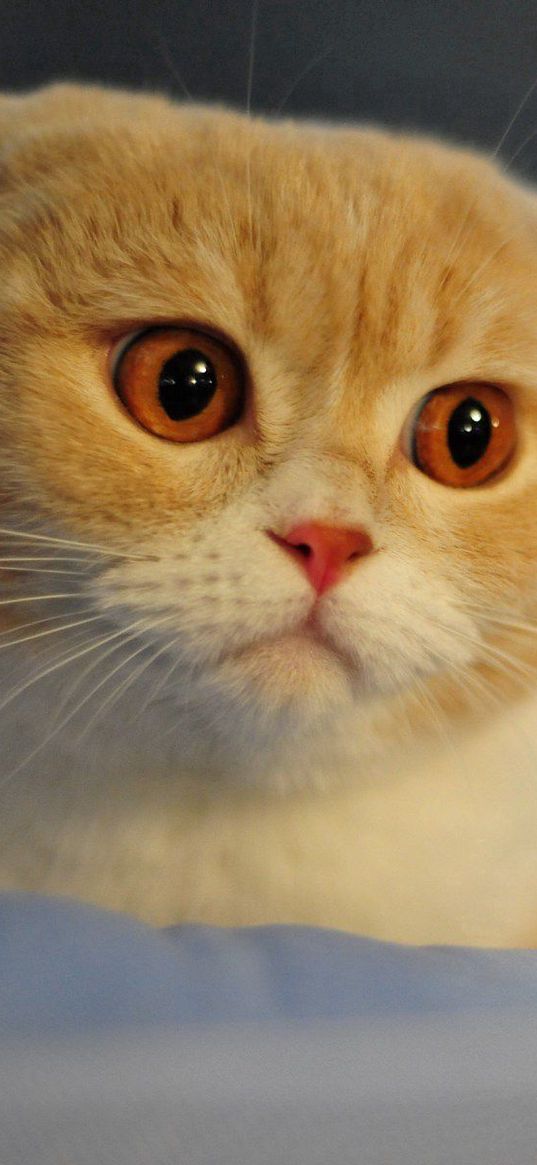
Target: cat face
(315,287)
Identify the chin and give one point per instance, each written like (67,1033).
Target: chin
(285,714)
(293,674)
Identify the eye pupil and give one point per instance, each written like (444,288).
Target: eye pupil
(469,432)
(187,382)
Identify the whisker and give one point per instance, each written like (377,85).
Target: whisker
(251,55)
(511,161)
(487,690)
(50,631)
(161,683)
(40,570)
(511,626)
(490,653)
(52,540)
(91,645)
(427,700)
(515,117)
(462,232)
(95,663)
(431,704)
(39,598)
(115,695)
(486,653)
(58,727)
(316,60)
(37,622)
(482,267)
(43,558)
(510,667)
(501,620)
(170,63)
(248,110)
(35,751)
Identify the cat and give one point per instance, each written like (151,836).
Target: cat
(268,634)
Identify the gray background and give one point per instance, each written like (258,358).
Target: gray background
(460,67)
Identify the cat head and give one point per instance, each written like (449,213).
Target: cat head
(284,376)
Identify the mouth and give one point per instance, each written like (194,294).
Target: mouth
(306,644)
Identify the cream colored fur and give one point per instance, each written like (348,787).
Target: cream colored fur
(234,768)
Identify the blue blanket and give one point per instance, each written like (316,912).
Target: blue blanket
(124,1044)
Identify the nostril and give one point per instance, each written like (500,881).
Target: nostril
(327,551)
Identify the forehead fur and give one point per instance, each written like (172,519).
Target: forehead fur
(368,236)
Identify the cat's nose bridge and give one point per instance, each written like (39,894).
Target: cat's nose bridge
(320,511)
(324,551)
(337,483)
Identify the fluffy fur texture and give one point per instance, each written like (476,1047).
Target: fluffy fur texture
(173,742)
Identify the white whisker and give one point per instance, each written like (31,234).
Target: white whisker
(50,631)
(427,700)
(316,60)
(91,667)
(515,117)
(58,727)
(55,541)
(170,63)
(462,232)
(115,695)
(39,598)
(490,653)
(251,55)
(41,570)
(431,704)
(91,645)
(48,619)
(510,161)
(44,558)
(489,694)
(480,269)
(501,620)
(161,683)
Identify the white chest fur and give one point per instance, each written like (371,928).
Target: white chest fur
(440,847)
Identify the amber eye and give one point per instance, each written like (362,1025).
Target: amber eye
(180,383)
(463,434)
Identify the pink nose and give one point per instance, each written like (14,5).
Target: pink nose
(323,551)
